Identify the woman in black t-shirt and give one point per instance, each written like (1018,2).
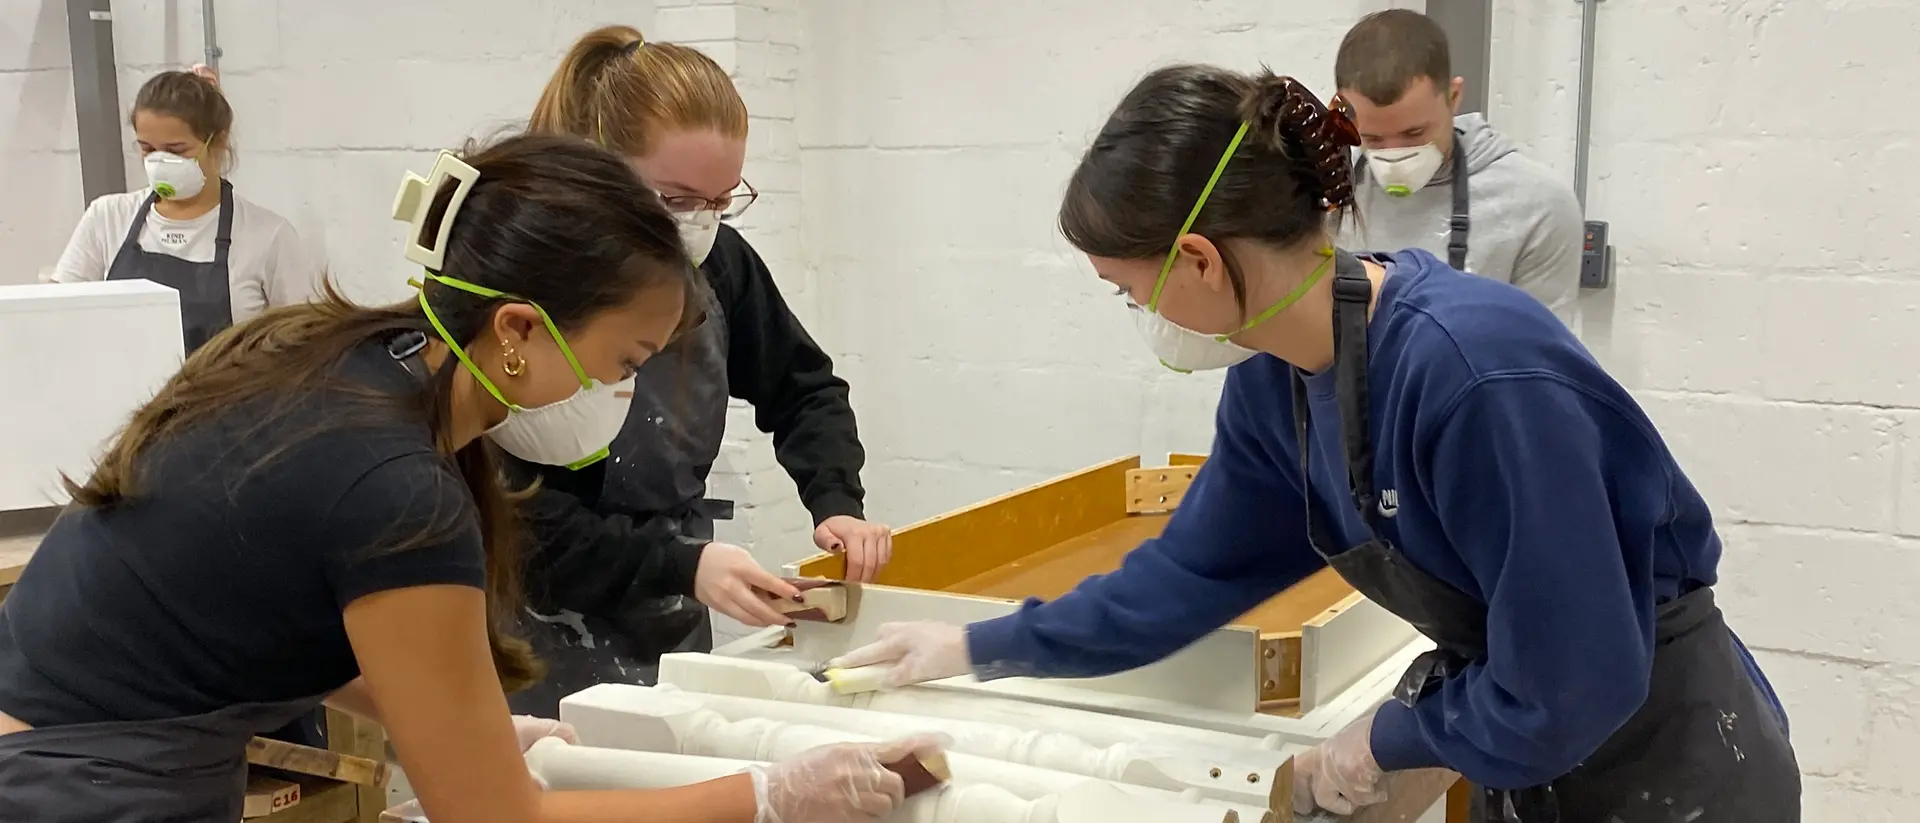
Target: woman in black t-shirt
(310,511)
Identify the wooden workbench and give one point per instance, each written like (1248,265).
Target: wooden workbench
(321,800)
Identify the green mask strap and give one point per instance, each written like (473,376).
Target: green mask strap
(461,353)
(1153,304)
(1292,296)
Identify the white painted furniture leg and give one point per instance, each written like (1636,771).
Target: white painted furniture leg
(568,767)
(767,680)
(1241,776)
(565,766)
(675,723)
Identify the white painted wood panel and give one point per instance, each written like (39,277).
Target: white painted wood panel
(76,360)
(757,672)
(1227,655)
(1343,644)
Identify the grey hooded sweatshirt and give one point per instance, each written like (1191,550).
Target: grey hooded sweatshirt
(1526,226)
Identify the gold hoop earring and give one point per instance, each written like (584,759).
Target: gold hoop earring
(514,365)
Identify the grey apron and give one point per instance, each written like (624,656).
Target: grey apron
(656,466)
(1706,746)
(185,770)
(206,299)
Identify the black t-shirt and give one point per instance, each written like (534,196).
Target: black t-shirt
(223,579)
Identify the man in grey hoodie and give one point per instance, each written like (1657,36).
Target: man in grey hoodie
(1513,220)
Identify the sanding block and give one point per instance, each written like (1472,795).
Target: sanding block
(820,600)
(854,680)
(920,772)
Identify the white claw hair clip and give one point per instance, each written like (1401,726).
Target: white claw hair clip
(416,198)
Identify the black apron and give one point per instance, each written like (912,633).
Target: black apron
(657,466)
(206,297)
(1706,747)
(1459,223)
(206,309)
(184,770)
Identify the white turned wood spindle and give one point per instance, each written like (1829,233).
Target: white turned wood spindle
(630,717)
(566,767)
(1243,776)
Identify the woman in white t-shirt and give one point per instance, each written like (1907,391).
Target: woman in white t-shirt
(229,258)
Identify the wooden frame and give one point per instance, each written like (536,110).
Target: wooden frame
(1314,640)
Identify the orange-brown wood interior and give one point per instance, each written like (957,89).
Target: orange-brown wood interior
(1043,540)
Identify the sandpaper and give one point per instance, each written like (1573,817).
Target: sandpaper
(822,601)
(919,773)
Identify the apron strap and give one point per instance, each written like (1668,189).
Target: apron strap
(405,349)
(223,237)
(1352,296)
(132,240)
(1459,223)
(1317,536)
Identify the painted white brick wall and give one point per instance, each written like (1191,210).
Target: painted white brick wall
(330,110)
(1762,312)
(758,43)
(1744,153)
(39,147)
(936,139)
(1766,319)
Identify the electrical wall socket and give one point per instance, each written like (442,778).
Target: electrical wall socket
(1596,257)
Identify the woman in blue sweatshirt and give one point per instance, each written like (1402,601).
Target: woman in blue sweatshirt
(1444,443)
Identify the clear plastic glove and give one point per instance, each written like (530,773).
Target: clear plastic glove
(530,730)
(1339,775)
(867,545)
(842,783)
(919,651)
(732,583)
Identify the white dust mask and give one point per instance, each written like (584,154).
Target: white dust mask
(174,177)
(1185,350)
(1401,172)
(574,432)
(697,231)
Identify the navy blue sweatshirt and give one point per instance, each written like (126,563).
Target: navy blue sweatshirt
(1527,478)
